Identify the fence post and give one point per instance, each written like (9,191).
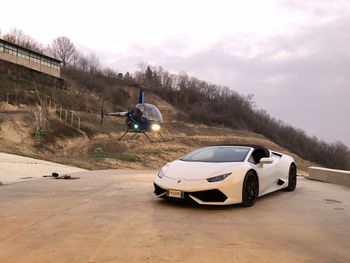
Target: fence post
(66,116)
(71,120)
(49,105)
(79,123)
(60,112)
(8,98)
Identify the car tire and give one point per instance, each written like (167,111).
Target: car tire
(292,178)
(250,189)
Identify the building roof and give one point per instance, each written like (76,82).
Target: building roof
(30,50)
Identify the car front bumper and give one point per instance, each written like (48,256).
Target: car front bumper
(202,192)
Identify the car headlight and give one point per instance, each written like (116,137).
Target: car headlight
(161,173)
(218,178)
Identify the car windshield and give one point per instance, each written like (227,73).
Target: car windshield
(217,154)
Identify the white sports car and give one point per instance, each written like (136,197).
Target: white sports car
(226,174)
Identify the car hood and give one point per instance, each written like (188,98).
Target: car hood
(198,170)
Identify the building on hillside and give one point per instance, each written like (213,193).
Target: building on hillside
(30,59)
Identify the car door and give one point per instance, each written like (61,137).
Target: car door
(268,174)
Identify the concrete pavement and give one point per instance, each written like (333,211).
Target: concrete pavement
(16,168)
(113,216)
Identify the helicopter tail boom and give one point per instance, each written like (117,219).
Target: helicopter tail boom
(117,114)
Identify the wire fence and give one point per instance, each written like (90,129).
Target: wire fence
(69,117)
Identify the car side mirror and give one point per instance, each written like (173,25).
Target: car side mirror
(265,161)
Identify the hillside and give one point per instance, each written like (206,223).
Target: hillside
(195,113)
(100,149)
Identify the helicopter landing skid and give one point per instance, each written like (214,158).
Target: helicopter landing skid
(163,139)
(136,136)
(133,137)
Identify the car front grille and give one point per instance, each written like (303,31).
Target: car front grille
(213,195)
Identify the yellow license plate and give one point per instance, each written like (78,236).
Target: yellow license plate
(175,193)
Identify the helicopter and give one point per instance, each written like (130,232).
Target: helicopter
(143,118)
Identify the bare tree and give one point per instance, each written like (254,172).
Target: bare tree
(93,62)
(109,72)
(81,61)
(63,49)
(18,37)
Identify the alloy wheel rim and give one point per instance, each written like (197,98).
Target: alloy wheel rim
(293,176)
(250,189)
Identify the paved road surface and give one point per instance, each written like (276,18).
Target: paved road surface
(112,216)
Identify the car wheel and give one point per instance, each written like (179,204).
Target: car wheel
(250,189)
(292,178)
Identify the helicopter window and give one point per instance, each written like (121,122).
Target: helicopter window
(150,112)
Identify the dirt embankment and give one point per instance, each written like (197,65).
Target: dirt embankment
(16,126)
(101,149)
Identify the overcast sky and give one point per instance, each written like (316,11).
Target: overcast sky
(293,55)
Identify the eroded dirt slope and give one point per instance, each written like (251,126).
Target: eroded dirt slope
(100,149)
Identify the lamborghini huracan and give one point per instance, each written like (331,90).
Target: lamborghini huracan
(226,174)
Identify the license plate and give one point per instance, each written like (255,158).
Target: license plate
(175,193)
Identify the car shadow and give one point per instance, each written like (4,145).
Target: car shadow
(278,194)
(192,205)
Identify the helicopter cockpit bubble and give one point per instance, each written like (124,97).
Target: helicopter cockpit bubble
(150,112)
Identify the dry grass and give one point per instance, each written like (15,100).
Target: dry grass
(101,150)
(106,152)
